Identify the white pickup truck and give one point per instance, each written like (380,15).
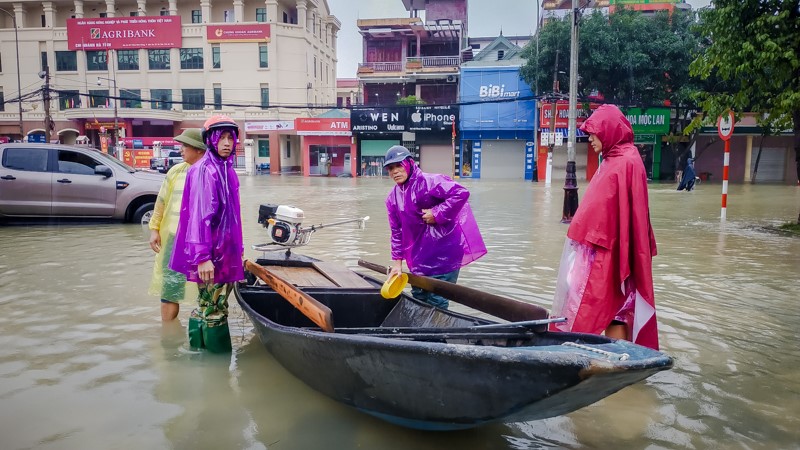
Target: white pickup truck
(164,163)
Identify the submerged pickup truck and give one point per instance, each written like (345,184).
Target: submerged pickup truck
(164,163)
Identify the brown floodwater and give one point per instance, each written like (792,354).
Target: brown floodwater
(85,361)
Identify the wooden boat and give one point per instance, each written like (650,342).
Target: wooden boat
(428,368)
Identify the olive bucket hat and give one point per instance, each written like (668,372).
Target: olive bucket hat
(192,137)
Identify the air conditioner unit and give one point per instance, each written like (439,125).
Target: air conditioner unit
(452,78)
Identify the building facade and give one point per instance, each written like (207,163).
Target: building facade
(405,57)
(498,115)
(152,69)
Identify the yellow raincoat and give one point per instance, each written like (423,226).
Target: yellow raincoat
(166,283)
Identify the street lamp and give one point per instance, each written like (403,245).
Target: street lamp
(116,95)
(571,180)
(19,82)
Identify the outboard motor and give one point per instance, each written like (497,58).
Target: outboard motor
(283,226)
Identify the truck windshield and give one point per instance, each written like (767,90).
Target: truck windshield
(111,161)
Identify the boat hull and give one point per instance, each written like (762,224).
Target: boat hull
(447,384)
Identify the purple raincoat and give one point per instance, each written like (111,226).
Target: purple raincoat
(453,242)
(210,226)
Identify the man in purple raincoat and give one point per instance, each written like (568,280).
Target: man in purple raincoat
(208,243)
(432,225)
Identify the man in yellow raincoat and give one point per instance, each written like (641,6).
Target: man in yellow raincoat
(170,285)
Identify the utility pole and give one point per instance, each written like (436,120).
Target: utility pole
(19,78)
(571,180)
(552,140)
(48,121)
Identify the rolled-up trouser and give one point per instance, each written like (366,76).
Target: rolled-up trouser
(431,298)
(208,323)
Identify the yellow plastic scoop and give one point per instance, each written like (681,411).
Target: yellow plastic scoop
(394,286)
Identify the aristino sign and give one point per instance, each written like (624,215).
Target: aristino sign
(119,33)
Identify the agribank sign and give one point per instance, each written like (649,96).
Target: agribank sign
(124,33)
(496,99)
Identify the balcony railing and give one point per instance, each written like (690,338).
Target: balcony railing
(424,62)
(395,66)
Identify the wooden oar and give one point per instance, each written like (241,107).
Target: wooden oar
(311,308)
(526,327)
(501,307)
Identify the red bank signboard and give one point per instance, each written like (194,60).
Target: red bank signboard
(322,126)
(124,33)
(238,33)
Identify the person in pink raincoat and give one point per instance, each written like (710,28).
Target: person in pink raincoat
(433,229)
(605,281)
(208,242)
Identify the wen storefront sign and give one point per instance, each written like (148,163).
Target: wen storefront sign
(124,33)
(366,120)
(649,121)
(435,119)
(238,33)
(322,126)
(432,118)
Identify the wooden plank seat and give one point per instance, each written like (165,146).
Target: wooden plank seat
(341,276)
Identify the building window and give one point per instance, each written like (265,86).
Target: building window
(66,61)
(285,17)
(158,59)
(217,97)
(263,55)
(500,54)
(97,60)
(263,148)
(315,67)
(261,15)
(191,58)
(216,62)
(98,98)
(103,15)
(69,100)
(264,97)
(288,148)
(44,60)
(134,13)
(128,59)
(163,12)
(161,99)
(130,98)
(2,101)
(197,16)
(193,99)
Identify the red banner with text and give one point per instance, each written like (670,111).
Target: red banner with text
(322,126)
(118,33)
(562,114)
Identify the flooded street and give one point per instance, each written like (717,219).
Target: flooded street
(86,363)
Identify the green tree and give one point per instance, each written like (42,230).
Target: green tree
(410,100)
(629,58)
(754,48)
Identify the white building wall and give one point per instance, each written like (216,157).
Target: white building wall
(289,77)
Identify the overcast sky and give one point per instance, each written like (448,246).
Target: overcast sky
(486,18)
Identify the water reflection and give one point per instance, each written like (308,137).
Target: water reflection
(86,363)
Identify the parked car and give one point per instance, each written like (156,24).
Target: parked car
(50,180)
(164,163)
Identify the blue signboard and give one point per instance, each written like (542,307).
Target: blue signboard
(37,138)
(495,98)
(530,161)
(476,159)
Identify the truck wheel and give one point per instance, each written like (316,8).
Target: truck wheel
(143,214)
